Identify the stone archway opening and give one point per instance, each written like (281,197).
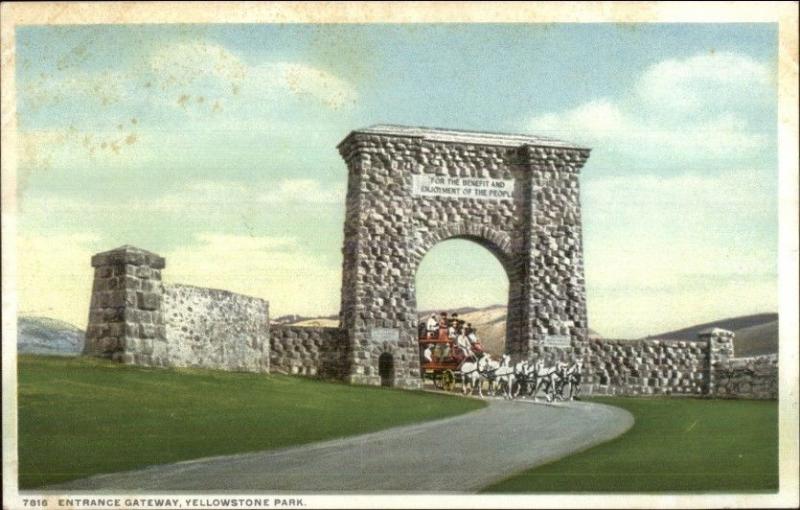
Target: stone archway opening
(462,275)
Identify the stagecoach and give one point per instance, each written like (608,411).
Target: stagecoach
(441,371)
(444,371)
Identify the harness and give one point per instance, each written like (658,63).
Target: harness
(477,360)
(489,374)
(547,375)
(523,376)
(471,371)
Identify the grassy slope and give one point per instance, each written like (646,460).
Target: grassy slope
(79,416)
(676,445)
(756,340)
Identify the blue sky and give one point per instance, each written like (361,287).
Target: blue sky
(214,145)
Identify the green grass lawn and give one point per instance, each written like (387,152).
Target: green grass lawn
(676,445)
(82,416)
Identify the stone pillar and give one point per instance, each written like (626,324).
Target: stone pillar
(720,351)
(126,322)
(553,298)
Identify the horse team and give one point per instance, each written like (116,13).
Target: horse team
(521,378)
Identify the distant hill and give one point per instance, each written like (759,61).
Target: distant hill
(756,340)
(489,322)
(42,335)
(462,310)
(321,322)
(299,320)
(755,334)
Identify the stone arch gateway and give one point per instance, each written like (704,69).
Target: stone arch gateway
(410,188)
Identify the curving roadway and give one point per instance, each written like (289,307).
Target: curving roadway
(460,454)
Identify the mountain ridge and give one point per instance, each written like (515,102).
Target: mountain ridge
(730,323)
(44,335)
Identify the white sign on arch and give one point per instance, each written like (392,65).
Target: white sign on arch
(427,185)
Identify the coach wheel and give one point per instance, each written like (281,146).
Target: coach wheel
(437,380)
(448,380)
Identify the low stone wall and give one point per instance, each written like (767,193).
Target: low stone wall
(705,366)
(646,367)
(134,318)
(217,329)
(309,351)
(753,377)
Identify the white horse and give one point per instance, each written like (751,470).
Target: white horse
(572,378)
(471,372)
(547,378)
(524,374)
(499,374)
(488,370)
(506,376)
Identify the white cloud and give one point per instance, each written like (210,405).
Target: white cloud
(607,125)
(210,198)
(73,148)
(303,81)
(195,77)
(276,269)
(184,63)
(744,189)
(691,84)
(97,88)
(213,194)
(637,313)
(677,227)
(199,78)
(205,76)
(303,191)
(693,108)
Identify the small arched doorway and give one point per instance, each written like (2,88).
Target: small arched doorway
(386,369)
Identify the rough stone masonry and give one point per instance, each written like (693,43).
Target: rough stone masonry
(410,188)
(702,367)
